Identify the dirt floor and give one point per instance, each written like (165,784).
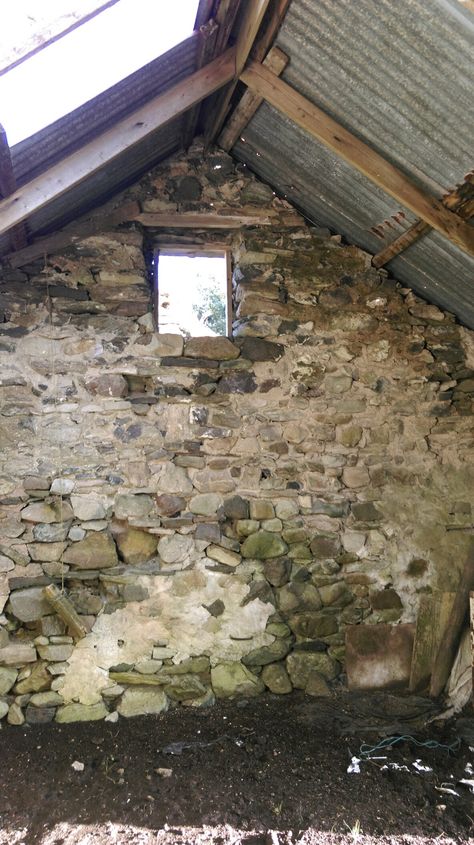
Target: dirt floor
(270,771)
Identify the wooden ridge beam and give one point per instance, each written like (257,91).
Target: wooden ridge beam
(455,201)
(250,25)
(328,131)
(249,103)
(125,134)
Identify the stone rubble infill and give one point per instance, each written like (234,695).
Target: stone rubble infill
(220,511)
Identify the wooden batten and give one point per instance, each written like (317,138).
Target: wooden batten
(461,200)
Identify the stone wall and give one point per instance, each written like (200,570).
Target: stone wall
(219,511)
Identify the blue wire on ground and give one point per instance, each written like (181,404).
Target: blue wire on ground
(368,750)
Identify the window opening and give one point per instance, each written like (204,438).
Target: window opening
(193,294)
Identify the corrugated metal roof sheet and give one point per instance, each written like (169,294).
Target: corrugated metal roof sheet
(400,76)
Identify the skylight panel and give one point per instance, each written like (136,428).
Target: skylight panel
(87,61)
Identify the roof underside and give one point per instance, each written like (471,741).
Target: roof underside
(397,75)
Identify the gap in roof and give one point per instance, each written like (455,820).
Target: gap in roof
(85,62)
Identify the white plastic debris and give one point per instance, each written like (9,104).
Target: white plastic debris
(418,765)
(469,770)
(447,789)
(469,783)
(395,767)
(77,766)
(353,767)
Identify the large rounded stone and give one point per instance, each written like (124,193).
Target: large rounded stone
(313,625)
(263,545)
(169,505)
(298,596)
(301,665)
(267,654)
(47,513)
(231,679)
(336,595)
(7,679)
(275,677)
(213,348)
(4,708)
(175,548)
(136,546)
(96,551)
(277,572)
(88,508)
(81,712)
(128,505)
(139,700)
(39,680)
(205,504)
(173,479)
(29,604)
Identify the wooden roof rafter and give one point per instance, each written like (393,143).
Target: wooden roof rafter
(360,155)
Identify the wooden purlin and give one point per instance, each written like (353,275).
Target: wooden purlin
(360,155)
(276,61)
(460,200)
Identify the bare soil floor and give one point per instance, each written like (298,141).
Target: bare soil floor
(271,771)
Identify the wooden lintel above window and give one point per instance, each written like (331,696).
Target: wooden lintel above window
(228,220)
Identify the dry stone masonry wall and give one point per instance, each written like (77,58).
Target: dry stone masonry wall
(219,511)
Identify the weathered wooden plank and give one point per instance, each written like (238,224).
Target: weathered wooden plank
(251,20)
(229,220)
(329,132)
(276,61)
(431,623)
(125,134)
(449,643)
(76,232)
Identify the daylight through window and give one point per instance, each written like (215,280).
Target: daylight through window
(193,294)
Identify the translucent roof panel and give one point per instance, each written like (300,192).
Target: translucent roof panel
(88,60)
